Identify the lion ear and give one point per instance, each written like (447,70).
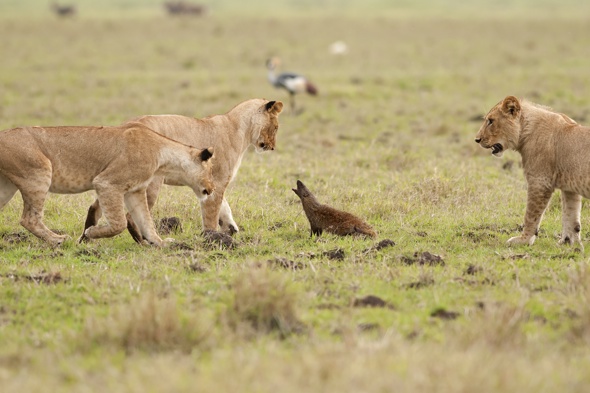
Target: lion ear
(511,105)
(274,107)
(206,154)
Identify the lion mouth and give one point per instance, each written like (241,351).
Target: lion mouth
(497,149)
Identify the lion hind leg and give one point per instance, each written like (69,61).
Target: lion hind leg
(32,217)
(571,224)
(112,206)
(137,206)
(7,191)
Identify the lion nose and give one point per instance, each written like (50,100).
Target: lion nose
(477,140)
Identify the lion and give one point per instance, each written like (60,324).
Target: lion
(554,150)
(252,122)
(117,162)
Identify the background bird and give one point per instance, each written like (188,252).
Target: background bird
(293,83)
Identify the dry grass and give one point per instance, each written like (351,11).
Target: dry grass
(263,301)
(148,324)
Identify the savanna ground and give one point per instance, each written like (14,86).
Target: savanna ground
(449,307)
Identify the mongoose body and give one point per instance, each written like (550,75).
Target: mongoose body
(323,217)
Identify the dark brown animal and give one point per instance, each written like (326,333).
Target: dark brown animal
(63,10)
(323,217)
(184,8)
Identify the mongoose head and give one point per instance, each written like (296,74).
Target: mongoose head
(302,191)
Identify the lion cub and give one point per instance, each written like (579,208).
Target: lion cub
(323,217)
(117,162)
(554,151)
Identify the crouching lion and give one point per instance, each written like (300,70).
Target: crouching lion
(117,162)
(253,122)
(554,151)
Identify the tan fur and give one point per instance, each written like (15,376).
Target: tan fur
(554,150)
(117,162)
(323,217)
(252,122)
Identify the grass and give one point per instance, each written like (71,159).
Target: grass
(389,138)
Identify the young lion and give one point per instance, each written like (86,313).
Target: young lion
(252,122)
(117,162)
(554,150)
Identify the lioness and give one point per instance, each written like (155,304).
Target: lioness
(554,151)
(117,162)
(252,122)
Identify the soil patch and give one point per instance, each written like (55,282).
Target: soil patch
(473,269)
(328,306)
(169,225)
(285,264)
(372,301)
(13,238)
(214,240)
(423,258)
(367,327)
(181,246)
(444,314)
(381,245)
(87,253)
(197,268)
(336,254)
(41,278)
(423,282)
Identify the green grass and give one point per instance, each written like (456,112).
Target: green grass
(389,138)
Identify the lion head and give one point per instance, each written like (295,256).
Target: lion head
(267,138)
(501,127)
(203,172)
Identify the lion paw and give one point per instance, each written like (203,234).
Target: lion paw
(233,229)
(521,240)
(571,240)
(57,241)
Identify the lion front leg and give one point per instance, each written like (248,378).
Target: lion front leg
(92,217)
(571,204)
(210,208)
(226,220)
(537,200)
(137,206)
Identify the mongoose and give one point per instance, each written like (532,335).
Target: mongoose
(323,217)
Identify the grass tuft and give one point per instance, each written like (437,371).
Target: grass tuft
(147,324)
(497,326)
(264,301)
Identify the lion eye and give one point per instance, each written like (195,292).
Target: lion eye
(490,121)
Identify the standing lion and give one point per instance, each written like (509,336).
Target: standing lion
(555,155)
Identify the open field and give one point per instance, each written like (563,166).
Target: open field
(389,138)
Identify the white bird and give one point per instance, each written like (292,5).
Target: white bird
(293,83)
(338,48)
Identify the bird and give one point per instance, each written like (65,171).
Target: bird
(293,83)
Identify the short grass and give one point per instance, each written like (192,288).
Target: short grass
(389,138)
